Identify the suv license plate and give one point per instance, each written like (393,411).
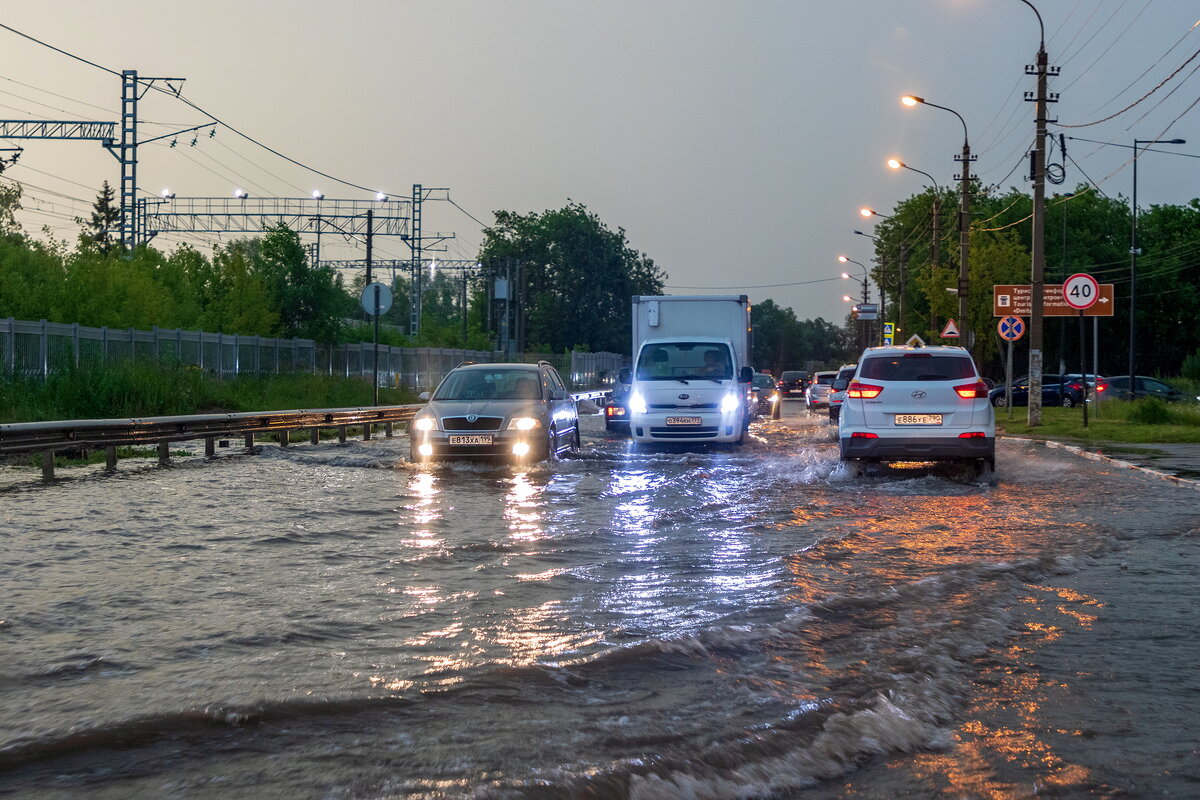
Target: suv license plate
(477,438)
(918,419)
(684,420)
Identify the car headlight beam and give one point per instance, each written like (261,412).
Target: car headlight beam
(729,403)
(524,423)
(424,424)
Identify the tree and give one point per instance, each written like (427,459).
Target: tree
(307,299)
(105,216)
(577,276)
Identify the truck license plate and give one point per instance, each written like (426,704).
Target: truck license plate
(475,438)
(684,420)
(918,419)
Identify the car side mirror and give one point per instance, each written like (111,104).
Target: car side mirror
(840,384)
(623,375)
(746,375)
(423,397)
(560,394)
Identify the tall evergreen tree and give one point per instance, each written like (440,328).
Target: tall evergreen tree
(105,216)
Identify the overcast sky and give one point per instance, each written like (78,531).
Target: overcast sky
(733,141)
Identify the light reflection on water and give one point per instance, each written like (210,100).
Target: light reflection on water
(717,612)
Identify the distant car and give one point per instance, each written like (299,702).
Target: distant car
(917,404)
(817,394)
(1118,387)
(1057,390)
(616,413)
(764,394)
(792,383)
(517,412)
(837,391)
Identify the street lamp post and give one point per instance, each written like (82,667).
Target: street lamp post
(1134,251)
(896,163)
(964,218)
(866,290)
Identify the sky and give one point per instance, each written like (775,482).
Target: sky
(733,142)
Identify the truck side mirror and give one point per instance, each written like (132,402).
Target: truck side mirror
(746,375)
(623,375)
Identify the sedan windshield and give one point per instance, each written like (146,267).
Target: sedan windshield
(684,361)
(490,384)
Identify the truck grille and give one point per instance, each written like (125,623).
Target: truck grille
(698,432)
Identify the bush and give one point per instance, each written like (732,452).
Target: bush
(1191,367)
(1151,411)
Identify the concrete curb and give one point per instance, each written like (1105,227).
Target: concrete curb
(1081,452)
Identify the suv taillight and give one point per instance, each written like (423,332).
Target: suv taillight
(861,390)
(972,391)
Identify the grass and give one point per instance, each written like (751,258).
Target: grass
(1148,421)
(144,389)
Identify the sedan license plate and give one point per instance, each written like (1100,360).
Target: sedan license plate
(918,419)
(474,438)
(684,420)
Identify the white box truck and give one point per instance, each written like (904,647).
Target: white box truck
(691,376)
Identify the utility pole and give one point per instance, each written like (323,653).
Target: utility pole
(964,244)
(1038,268)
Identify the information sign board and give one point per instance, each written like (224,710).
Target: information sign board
(1016,300)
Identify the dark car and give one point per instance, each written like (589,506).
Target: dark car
(763,394)
(1057,390)
(1118,387)
(792,383)
(515,412)
(616,413)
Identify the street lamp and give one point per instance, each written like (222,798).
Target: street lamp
(865,286)
(964,211)
(896,163)
(870,212)
(1134,252)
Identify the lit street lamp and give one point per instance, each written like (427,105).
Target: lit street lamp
(896,163)
(964,211)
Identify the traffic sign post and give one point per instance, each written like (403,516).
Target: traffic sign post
(376,299)
(889,333)
(950,331)
(1010,329)
(1081,292)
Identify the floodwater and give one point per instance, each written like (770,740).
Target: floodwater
(333,622)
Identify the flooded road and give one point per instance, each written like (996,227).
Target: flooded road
(333,622)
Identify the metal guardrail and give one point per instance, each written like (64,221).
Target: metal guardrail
(48,438)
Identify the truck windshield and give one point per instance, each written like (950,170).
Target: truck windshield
(685,361)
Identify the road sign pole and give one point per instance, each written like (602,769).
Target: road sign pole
(375,367)
(1008,379)
(1083,365)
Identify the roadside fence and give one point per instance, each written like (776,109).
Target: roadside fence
(42,348)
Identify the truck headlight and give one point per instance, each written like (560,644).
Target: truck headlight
(729,403)
(524,423)
(637,403)
(424,424)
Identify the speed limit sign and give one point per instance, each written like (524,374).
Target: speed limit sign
(1081,291)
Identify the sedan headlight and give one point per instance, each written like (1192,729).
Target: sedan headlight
(729,403)
(424,424)
(524,423)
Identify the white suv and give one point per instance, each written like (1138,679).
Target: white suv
(917,404)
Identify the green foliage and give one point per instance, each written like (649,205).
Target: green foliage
(142,389)
(783,342)
(1191,367)
(1150,411)
(576,276)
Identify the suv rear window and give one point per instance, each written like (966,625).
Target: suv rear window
(917,367)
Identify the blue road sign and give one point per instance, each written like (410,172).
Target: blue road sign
(1011,328)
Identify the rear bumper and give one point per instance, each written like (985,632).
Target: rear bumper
(925,448)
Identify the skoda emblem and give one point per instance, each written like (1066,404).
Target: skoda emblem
(473,417)
(684,396)
(918,394)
